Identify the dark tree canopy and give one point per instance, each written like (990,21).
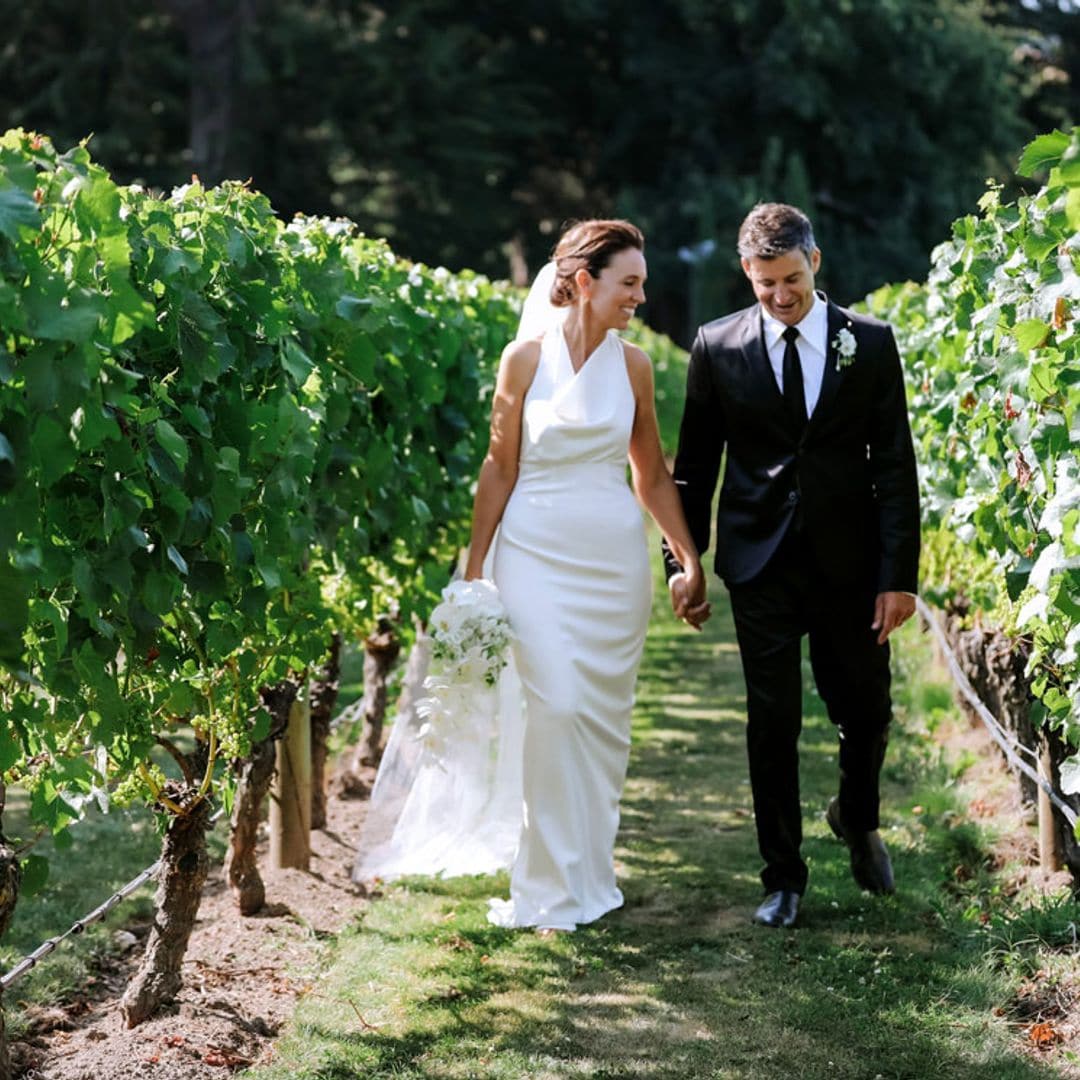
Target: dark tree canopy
(467,137)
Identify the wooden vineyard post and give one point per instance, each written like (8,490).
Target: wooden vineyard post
(290,800)
(1049,844)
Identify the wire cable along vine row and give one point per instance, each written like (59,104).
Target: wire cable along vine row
(50,945)
(1009,745)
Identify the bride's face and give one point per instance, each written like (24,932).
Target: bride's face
(615,295)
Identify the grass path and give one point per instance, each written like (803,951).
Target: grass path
(679,983)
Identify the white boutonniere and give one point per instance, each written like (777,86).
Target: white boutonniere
(845,345)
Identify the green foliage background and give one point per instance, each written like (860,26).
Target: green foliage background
(992,343)
(466,137)
(221,438)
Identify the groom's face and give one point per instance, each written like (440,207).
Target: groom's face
(784,284)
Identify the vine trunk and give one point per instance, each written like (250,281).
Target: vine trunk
(256,773)
(183,870)
(324,695)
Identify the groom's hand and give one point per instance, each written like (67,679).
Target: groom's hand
(687,601)
(891,609)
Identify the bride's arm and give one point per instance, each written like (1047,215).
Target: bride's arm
(653,483)
(498,473)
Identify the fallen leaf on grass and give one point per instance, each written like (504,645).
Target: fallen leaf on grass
(1044,1035)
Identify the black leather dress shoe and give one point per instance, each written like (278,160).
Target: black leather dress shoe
(778,909)
(870,865)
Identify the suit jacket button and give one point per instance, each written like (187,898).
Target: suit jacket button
(792,497)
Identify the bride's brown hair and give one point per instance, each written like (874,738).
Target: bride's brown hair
(589,245)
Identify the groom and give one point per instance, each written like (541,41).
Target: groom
(817,533)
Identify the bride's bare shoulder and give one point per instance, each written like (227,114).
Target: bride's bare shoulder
(519,361)
(635,356)
(638,366)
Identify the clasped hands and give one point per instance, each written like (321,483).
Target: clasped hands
(687,589)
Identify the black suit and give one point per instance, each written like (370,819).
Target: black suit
(811,526)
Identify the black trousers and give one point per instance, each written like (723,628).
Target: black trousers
(788,599)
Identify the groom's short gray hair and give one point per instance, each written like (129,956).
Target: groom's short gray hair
(772,229)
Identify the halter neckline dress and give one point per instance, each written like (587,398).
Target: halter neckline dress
(572,568)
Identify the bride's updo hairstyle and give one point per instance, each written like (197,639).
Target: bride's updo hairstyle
(589,245)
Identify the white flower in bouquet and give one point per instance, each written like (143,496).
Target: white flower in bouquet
(470,636)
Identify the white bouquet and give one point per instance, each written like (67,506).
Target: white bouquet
(470,636)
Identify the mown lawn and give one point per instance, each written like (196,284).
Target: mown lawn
(679,983)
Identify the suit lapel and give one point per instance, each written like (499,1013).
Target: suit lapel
(759,370)
(833,375)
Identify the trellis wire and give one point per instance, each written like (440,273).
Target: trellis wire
(46,947)
(1006,741)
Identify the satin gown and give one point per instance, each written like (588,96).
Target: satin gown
(572,567)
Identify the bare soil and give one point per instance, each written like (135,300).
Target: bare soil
(242,977)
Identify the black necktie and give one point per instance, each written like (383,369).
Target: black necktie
(794,396)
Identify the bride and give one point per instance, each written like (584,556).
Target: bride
(539,789)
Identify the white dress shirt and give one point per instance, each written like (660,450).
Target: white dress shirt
(811,343)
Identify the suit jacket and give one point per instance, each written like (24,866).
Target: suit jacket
(849,478)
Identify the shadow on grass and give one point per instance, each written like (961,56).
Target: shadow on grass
(678,982)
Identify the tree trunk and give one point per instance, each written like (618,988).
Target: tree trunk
(10,873)
(381,649)
(324,695)
(257,771)
(215,35)
(9,895)
(184,866)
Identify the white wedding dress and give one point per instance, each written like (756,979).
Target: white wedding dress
(539,790)
(573,571)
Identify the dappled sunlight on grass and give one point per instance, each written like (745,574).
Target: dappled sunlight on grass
(678,983)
